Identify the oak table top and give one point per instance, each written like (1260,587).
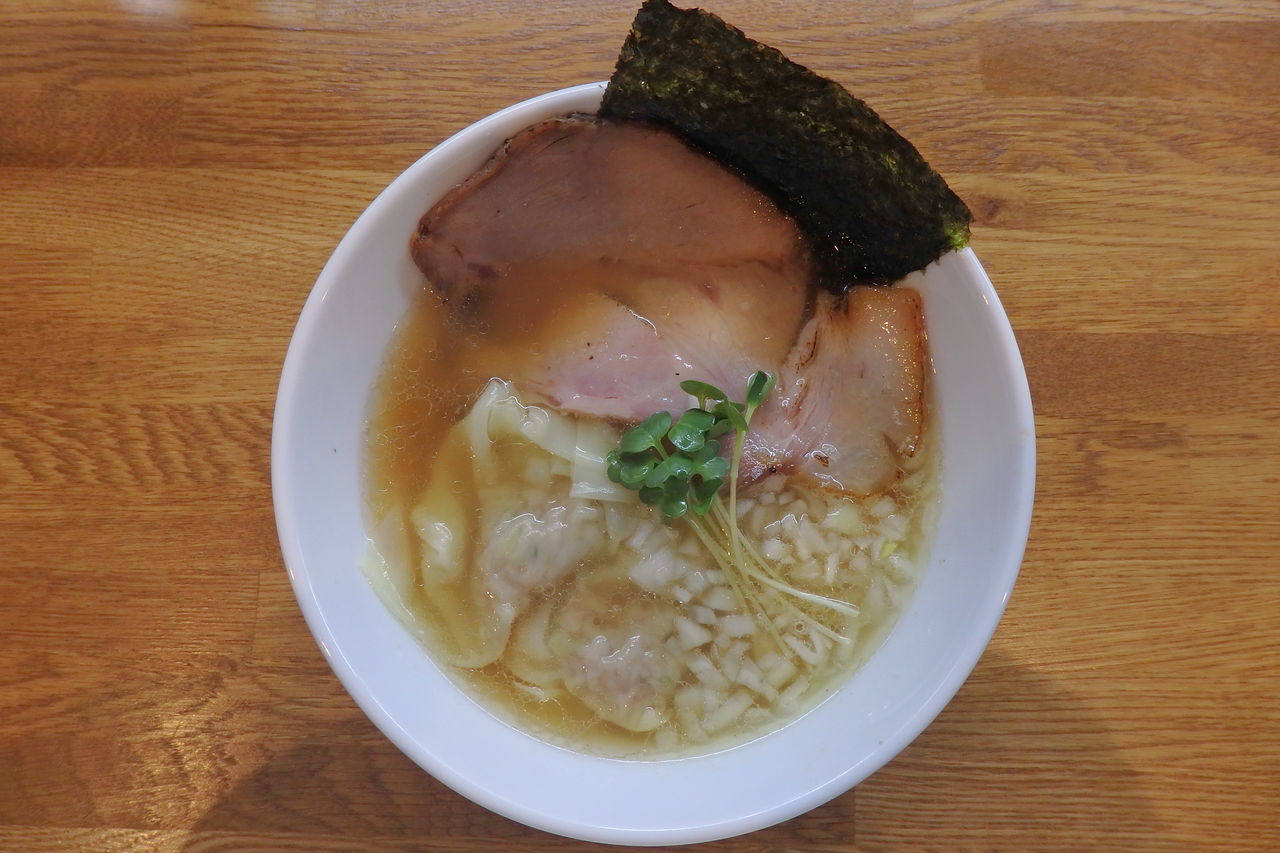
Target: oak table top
(174,174)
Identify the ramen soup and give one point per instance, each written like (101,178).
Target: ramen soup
(570,287)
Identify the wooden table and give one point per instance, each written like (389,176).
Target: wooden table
(173,175)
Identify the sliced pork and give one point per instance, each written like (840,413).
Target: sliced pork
(570,199)
(581,236)
(849,404)
(597,265)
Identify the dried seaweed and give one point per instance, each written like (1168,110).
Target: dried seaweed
(872,207)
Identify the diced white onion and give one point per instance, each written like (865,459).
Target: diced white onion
(844,518)
(728,712)
(731,658)
(691,634)
(882,506)
(705,615)
(657,570)
(618,522)
(750,676)
(791,696)
(697,581)
(720,598)
(738,625)
(803,650)
(700,665)
(829,571)
(780,673)
(688,702)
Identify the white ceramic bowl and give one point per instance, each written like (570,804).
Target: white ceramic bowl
(988,472)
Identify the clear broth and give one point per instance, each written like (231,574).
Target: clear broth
(434,373)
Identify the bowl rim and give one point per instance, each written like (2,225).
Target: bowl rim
(289,527)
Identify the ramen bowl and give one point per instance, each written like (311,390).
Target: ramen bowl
(984,424)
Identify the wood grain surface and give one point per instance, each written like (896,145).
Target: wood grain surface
(173,175)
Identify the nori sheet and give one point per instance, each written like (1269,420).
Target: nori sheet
(872,207)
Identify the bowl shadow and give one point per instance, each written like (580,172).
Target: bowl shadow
(1017,760)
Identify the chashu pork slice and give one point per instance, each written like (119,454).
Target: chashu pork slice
(584,246)
(605,359)
(578,190)
(849,406)
(597,265)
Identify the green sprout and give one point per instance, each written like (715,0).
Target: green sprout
(677,467)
